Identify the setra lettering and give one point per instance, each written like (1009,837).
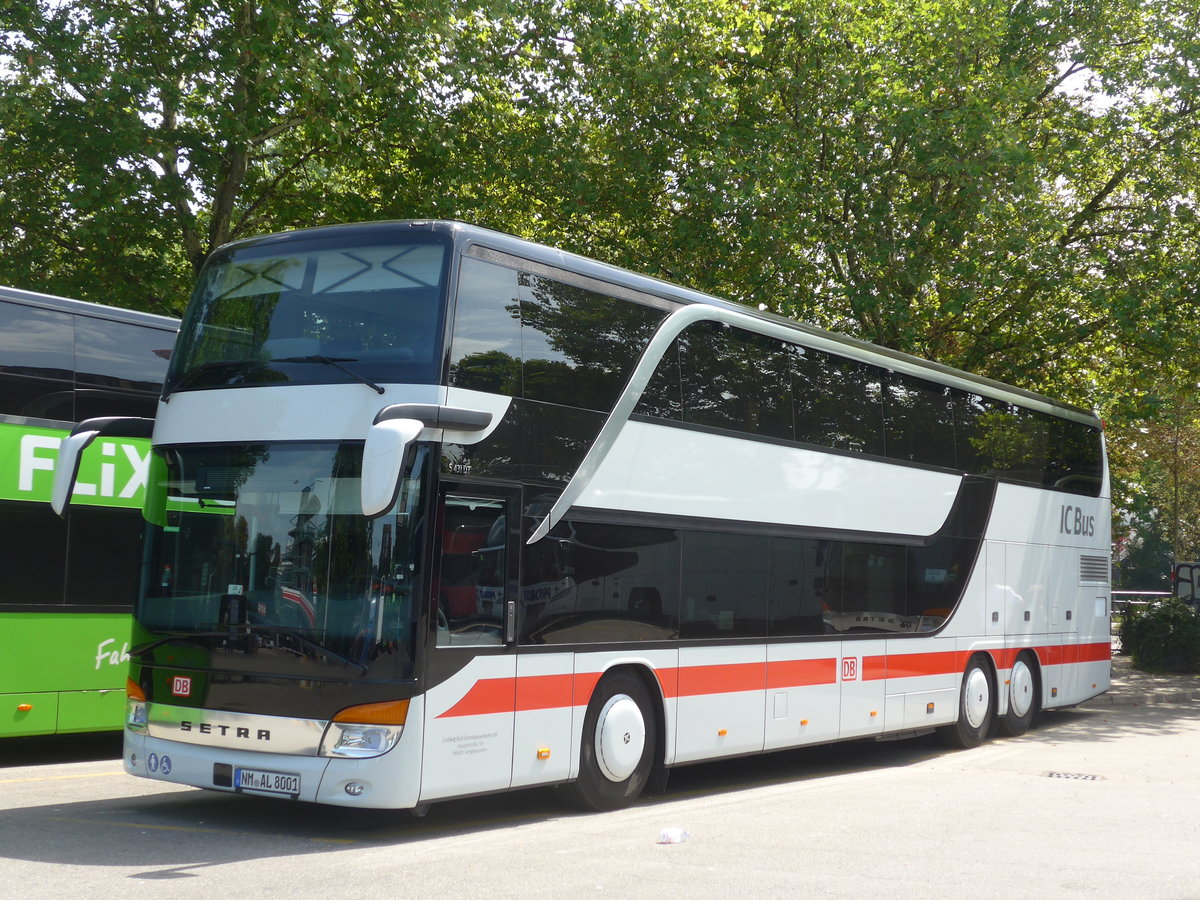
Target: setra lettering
(238,732)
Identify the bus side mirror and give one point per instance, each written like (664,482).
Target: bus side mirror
(394,429)
(383,463)
(70,452)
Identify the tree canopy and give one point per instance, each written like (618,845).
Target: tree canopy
(1008,187)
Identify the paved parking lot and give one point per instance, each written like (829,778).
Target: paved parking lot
(1098,802)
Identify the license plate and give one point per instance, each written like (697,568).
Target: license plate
(266,782)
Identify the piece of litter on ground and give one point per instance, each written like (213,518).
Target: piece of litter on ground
(672,836)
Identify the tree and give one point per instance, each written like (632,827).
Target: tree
(1009,187)
(1163,501)
(1006,187)
(936,177)
(142,134)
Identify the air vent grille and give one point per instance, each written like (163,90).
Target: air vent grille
(1093,569)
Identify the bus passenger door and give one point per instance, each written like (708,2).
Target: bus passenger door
(470,700)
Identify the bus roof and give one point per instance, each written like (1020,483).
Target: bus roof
(84,308)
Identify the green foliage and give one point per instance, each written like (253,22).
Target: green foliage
(1142,551)
(1163,637)
(1007,187)
(141,135)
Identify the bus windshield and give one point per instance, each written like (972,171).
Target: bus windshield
(263,548)
(314,309)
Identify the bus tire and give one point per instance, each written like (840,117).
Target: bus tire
(1022,697)
(617,751)
(975,708)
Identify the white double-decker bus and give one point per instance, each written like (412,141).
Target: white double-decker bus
(435,511)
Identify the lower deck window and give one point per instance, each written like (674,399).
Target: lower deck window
(590,582)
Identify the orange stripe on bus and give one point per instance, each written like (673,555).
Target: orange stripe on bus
(1101,652)
(486,696)
(917,665)
(545,691)
(801,673)
(532,692)
(1058,654)
(874,668)
(695,681)
(668,680)
(1005,658)
(585,683)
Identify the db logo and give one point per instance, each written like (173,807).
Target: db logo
(850,668)
(181,686)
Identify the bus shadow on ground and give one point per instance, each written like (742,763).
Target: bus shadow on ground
(176,834)
(60,749)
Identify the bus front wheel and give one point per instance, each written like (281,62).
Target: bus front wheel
(617,752)
(975,708)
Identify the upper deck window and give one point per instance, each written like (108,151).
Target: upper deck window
(535,337)
(316,309)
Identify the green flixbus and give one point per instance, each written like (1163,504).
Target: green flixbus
(67,585)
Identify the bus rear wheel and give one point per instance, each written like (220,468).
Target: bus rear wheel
(617,752)
(975,708)
(1022,698)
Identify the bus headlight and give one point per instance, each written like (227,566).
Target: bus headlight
(368,730)
(359,740)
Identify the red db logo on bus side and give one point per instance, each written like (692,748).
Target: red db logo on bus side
(181,686)
(850,668)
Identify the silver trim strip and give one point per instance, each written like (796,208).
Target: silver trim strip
(674,324)
(235,731)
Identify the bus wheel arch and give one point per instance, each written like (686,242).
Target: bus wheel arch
(976,705)
(1024,691)
(621,743)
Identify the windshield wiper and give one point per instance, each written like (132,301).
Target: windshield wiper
(307,642)
(336,362)
(143,649)
(192,375)
(245,630)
